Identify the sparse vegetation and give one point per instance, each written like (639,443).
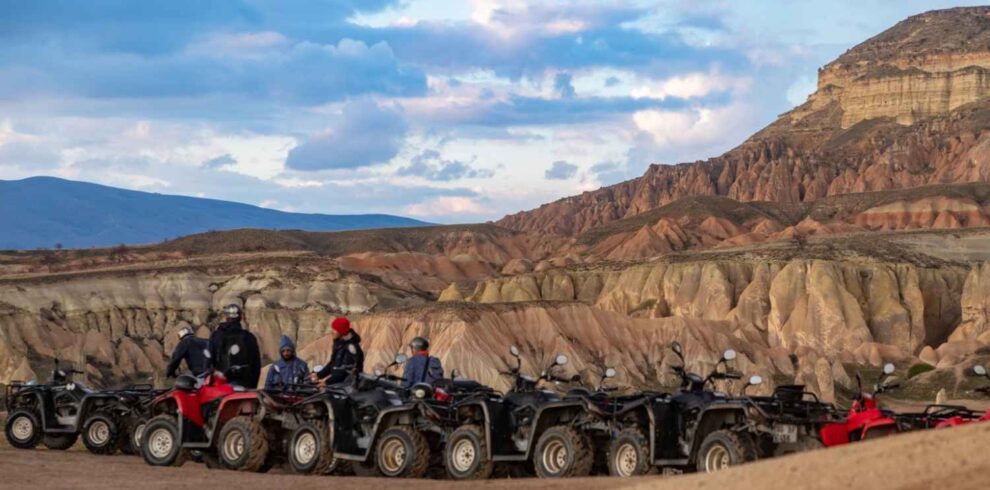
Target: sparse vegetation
(919,368)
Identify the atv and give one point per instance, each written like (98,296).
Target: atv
(706,430)
(338,427)
(208,417)
(56,412)
(865,419)
(942,416)
(526,424)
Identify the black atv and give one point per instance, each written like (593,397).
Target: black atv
(56,412)
(337,427)
(706,430)
(525,424)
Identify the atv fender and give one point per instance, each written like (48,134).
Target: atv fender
(240,403)
(549,415)
(877,425)
(42,405)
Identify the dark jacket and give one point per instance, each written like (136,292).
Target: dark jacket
(422,368)
(231,345)
(193,350)
(284,373)
(342,361)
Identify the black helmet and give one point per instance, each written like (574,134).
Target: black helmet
(232,311)
(419,343)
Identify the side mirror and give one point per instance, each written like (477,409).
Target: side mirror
(561,360)
(755,380)
(514,351)
(610,373)
(399,358)
(676,347)
(454,374)
(980,370)
(888,368)
(729,355)
(379,372)
(317,368)
(575,378)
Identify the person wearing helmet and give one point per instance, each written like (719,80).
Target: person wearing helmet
(347,357)
(288,370)
(234,350)
(421,366)
(193,350)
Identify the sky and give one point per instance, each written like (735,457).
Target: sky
(446,111)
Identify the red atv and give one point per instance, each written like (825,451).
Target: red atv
(210,416)
(865,419)
(962,417)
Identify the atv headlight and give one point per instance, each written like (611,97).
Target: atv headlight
(70,386)
(421,391)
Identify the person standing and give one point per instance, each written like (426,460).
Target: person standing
(288,370)
(347,357)
(193,350)
(234,350)
(421,367)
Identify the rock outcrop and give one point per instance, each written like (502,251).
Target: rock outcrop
(906,108)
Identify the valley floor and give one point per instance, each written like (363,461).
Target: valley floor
(951,459)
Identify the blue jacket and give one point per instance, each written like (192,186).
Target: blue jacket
(422,368)
(282,372)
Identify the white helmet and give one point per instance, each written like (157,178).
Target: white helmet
(232,311)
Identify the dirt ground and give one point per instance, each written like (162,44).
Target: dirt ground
(949,459)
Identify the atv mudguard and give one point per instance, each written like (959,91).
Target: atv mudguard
(712,418)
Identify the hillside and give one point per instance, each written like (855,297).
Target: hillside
(43,211)
(905,108)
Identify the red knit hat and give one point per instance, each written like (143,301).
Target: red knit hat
(341,325)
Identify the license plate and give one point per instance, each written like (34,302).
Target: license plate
(784,433)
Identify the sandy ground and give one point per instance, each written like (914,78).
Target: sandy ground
(949,459)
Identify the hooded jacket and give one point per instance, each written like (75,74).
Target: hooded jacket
(193,350)
(284,373)
(231,345)
(422,368)
(342,362)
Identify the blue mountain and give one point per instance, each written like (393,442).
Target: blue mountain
(39,212)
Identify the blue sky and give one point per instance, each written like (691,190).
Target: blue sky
(448,111)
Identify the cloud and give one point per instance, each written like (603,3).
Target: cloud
(612,172)
(562,85)
(446,206)
(560,170)
(429,165)
(219,162)
(365,134)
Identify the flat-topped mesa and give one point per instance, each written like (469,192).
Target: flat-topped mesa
(926,65)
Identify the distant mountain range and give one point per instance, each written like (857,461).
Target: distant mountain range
(40,212)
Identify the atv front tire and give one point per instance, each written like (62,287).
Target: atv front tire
(23,429)
(243,444)
(160,444)
(724,448)
(131,439)
(402,452)
(59,442)
(562,452)
(466,454)
(628,454)
(309,449)
(101,434)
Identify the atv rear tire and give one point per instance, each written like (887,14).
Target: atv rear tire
(59,442)
(724,448)
(562,452)
(466,454)
(628,454)
(160,444)
(309,450)
(402,452)
(102,434)
(131,439)
(243,444)
(23,429)
(340,467)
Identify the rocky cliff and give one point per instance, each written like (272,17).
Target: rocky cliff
(905,108)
